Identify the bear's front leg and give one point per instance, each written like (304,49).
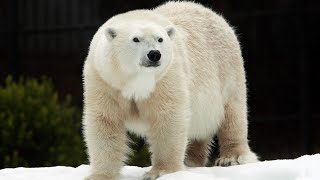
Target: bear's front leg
(168,141)
(106,142)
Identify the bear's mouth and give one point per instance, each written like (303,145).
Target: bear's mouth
(151,64)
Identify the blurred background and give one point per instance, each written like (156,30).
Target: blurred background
(43,44)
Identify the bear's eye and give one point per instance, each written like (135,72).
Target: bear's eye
(136,40)
(160,40)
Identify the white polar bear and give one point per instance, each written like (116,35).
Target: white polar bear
(174,75)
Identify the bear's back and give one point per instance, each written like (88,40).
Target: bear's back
(213,49)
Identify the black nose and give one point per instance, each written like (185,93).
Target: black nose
(154,55)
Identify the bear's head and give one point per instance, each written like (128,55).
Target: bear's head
(131,54)
(139,46)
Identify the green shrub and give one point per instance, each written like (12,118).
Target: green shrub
(36,129)
(140,154)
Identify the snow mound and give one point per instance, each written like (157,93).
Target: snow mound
(303,168)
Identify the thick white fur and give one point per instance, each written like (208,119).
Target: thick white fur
(198,90)
(140,86)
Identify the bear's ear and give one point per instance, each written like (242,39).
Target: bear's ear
(110,33)
(171,31)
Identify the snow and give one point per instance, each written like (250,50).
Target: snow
(304,168)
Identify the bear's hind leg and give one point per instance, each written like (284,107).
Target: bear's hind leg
(197,153)
(232,136)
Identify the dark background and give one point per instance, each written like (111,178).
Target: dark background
(278,38)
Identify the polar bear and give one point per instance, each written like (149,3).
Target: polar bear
(174,75)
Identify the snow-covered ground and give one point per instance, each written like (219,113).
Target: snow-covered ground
(303,168)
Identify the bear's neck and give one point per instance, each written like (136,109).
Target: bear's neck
(140,86)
